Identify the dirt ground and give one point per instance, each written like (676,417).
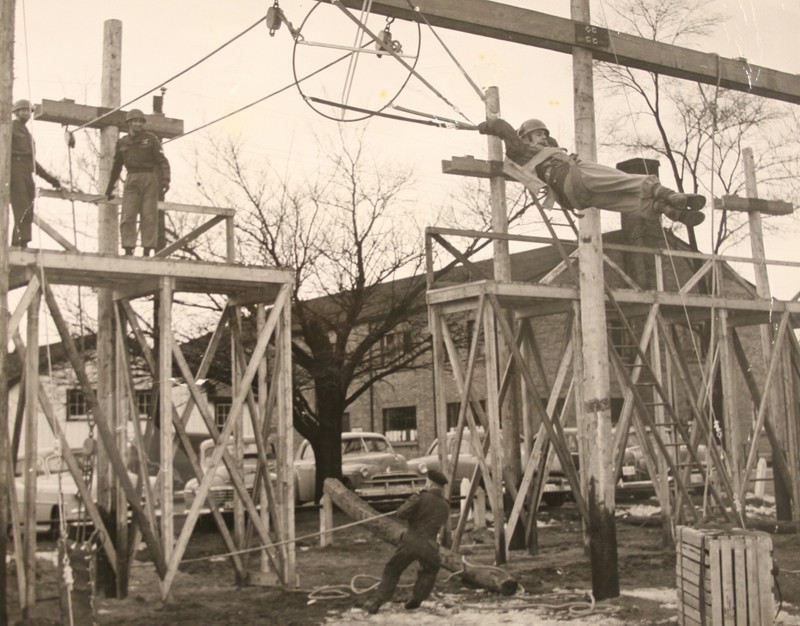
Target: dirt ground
(554,583)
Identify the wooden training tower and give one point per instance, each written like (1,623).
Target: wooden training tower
(671,344)
(128,508)
(130,279)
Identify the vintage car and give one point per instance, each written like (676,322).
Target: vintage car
(555,492)
(53,482)
(222,491)
(370,467)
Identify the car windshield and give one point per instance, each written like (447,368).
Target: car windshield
(359,445)
(55,463)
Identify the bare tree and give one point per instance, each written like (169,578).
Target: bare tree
(699,130)
(349,231)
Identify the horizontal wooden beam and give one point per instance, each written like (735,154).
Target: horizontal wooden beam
(70,113)
(127,272)
(93,198)
(532,28)
(526,295)
(470,166)
(751,205)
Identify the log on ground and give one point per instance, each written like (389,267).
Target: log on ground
(390,530)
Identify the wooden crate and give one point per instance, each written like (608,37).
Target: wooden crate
(724,577)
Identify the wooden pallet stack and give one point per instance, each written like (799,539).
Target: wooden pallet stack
(724,577)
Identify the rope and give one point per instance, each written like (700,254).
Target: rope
(262,99)
(430,122)
(464,73)
(178,75)
(286,541)
(411,69)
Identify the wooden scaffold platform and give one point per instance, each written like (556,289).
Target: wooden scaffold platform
(268,504)
(684,353)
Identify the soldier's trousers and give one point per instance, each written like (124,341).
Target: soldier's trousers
(411,548)
(140,199)
(22,191)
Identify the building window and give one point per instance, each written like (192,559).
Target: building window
(144,402)
(452,414)
(400,424)
(77,407)
(222,408)
(396,344)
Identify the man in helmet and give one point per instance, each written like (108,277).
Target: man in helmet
(579,184)
(147,181)
(23,166)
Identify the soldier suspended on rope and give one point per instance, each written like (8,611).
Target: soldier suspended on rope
(147,182)
(23,166)
(579,184)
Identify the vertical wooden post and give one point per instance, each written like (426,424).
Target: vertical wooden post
(325,521)
(731,423)
(285,445)
(511,410)
(775,394)
(261,318)
(6,81)
(435,322)
(107,228)
(167,432)
(31,451)
(594,416)
(238,434)
(493,414)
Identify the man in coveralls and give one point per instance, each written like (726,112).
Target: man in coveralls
(23,167)
(579,184)
(426,512)
(147,182)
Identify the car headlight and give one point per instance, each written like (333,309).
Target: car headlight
(422,468)
(364,471)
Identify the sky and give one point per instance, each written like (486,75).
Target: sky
(58,55)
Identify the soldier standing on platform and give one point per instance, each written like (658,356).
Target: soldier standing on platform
(23,167)
(147,182)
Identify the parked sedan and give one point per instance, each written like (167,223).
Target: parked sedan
(555,491)
(370,467)
(222,491)
(54,484)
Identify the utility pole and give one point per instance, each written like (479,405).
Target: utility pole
(107,228)
(594,411)
(6,95)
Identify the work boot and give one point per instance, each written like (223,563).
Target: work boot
(146,251)
(680,207)
(374,606)
(412,604)
(684,216)
(686,201)
(128,251)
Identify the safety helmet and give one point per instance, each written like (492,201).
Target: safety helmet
(21,104)
(134,114)
(528,126)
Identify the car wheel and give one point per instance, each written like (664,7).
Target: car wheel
(554,499)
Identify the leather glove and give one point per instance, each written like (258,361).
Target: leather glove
(483,128)
(109,194)
(56,184)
